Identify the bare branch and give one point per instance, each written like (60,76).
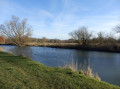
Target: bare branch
(18,31)
(117,29)
(81,35)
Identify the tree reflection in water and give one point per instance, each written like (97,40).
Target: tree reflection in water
(26,51)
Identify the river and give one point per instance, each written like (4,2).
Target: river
(106,64)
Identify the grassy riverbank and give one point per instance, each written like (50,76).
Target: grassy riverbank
(17,72)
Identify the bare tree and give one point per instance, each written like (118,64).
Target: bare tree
(117,29)
(81,35)
(100,37)
(17,30)
(44,40)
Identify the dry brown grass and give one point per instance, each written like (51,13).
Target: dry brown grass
(51,44)
(2,49)
(86,71)
(73,66)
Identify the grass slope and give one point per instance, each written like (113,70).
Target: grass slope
(17,72)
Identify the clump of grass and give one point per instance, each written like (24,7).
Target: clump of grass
(73,66)
(97,77)
(89,72)
(10,52)
(22,55)
(86,70)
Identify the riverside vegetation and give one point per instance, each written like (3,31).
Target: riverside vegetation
(19,72)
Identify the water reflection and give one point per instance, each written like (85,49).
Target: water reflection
(27,51)
(82,58)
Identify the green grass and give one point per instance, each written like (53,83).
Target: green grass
(17,72)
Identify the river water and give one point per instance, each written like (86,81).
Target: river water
(106,64)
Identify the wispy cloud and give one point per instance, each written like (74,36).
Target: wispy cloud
(5,7)
(61,17)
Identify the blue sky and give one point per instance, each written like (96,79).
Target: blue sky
(56,18)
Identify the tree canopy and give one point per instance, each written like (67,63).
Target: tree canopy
(18,30)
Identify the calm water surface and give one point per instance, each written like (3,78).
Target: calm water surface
(107,65)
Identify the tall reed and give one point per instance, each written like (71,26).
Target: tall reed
(86,70)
